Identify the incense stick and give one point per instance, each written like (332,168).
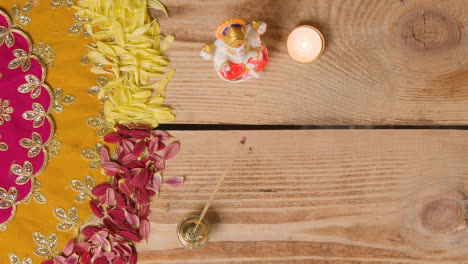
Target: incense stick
(220,180)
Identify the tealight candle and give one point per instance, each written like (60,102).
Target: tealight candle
(305,44)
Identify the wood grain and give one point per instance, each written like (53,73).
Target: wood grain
(319,196)
(392,62)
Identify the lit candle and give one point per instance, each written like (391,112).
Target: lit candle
(305,44)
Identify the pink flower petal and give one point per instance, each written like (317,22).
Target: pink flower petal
(109,255)
(125,173)
(110,197)
(110,168)
(132,219)
(68,249)
(88,231)
(60,260)
(119,261)
(116,214)
(174,182)
(109,225)
(126,248)
(82,246)
(161,146)
(143,211)
(122,130)
(125,187)
(162,135)
(140,178)
(85,257)
(135,164)
(171,150)
(101,260)
(119,150)
(127,146)
(73,259)
(139,148)
(112,138)
(103,154)
(158,162)
(157,181)
(100,189)
(120,202)
(139,134)
(142,195)
(133,257)
(129,235)
(153,145)
(128,158)
(144,229)
(100,238)
(97,211)
(49,261)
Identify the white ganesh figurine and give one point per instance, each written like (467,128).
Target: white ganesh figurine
(238,53)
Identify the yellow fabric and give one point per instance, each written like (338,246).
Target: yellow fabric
(50,26)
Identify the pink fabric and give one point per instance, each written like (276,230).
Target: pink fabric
(11,132)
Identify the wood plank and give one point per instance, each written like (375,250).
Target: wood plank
(319,196)
(391,62)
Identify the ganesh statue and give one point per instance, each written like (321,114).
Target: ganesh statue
(238,54)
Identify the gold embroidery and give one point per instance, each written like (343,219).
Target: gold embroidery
(100,124)
(38,115)
(32,85)
(8,199)
(5,111)
(22,59)
(78,27)
(68,220)
(6,36)
(3,145)
(84,60)
(44,53)
(34,144)
(92,155)
(59,100)
(38,196)
(59,3)
(23,174)
(19,12)
(46,246)
(54,146)
(84,189)
(14,259)
(95,89)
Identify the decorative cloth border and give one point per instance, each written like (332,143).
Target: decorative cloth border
(26,128)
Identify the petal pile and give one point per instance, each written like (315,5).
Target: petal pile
(128,47)
(122,203)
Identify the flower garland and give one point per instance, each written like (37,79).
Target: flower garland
(122,203)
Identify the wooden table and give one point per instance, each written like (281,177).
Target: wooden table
(323,195)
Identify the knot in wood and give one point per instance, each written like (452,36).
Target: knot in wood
(443,215)
(428,32)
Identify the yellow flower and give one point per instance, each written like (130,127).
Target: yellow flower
(129,47)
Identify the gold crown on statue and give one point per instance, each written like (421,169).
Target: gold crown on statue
(232,31)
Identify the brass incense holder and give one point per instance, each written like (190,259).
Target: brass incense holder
(193,231)
(189,235)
